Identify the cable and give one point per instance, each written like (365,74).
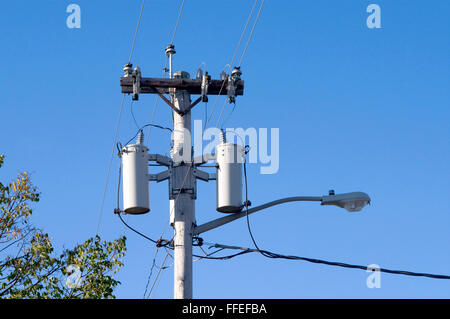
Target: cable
(146,125)
(176,25)
(151,271)
(117,125)
(338,264)
(132,114)
(246,211)
(136,32)
(228,117)
(155,106)
(157,275)
(137,232)
(229,66)
(251,32)
(110,164)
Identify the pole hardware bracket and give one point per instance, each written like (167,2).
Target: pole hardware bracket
(206,80)
(204,176)
(160,159)
(136,83)
(160,176)
(233,79)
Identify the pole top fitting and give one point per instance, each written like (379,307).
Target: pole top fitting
(170,49)
(236,73)
(128,69)
(181,75)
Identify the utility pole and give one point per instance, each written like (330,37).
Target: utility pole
(183,207)
(183,168)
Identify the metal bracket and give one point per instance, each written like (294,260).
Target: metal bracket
(168,102)
(136,83)
(204,176)
(203,159)
(160,159)
(160,176)
(206,79)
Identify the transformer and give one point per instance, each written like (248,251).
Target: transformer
(229,158)
(136,198)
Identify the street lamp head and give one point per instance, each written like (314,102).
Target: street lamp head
(352,202)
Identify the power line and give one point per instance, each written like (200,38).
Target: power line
(110,164)
(251,32)
(137,232)
(159,272)
(146,125)
(230,65)
(176,24)
(136,31)
(334,263)
(273,255)
(132,114)
(245,49)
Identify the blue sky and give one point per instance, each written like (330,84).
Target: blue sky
(358,110)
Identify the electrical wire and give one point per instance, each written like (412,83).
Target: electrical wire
(334,263)
(273,255)
(229,66)
(146,125)
(243,54)
(176,24)
(136,32)
(109,166)
(246,204)
(158,274)
(137,232)
(251,32)
(132,114)
(151,271)
(155,106)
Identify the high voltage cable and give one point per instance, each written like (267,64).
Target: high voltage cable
(118,124)
(157,275)
(176,24)
(136,31)
(251,32)
(110,164)
(245,50)
(230,65)
(273,255)
(333,263)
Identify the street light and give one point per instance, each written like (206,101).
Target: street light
(352,202)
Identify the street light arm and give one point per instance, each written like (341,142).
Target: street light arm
(227,219)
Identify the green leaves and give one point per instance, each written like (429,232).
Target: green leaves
(29,267)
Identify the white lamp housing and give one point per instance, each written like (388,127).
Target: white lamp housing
(352,202)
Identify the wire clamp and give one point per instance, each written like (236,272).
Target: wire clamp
(206,80)
(136,83)
(233,79)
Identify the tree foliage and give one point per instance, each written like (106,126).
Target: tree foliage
(29,266)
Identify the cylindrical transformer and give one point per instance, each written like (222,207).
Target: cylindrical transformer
(136,199)
(229,158)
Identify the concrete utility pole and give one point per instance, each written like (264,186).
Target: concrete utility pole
(182,207)
(182,171)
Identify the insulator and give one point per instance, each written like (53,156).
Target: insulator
(199,74)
